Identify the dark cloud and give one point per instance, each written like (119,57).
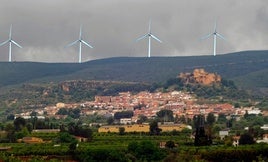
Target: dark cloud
(43,28)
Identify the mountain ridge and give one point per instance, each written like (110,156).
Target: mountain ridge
(136,69)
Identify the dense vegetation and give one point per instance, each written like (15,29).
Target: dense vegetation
(112,147)
(226,89)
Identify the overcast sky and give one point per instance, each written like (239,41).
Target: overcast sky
(45,27)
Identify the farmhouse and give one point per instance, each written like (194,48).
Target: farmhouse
(31,140)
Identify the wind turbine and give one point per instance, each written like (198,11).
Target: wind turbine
(149,35)
(80,40)
(215,35)
(10,41)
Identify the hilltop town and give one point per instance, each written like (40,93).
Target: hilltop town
(146,103)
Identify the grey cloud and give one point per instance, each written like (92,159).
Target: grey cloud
(43,28)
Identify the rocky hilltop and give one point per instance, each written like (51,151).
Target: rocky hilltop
(200,76)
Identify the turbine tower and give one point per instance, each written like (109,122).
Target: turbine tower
(10,41)
(149,35)
(80,40)
(215,35)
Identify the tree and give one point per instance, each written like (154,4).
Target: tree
(121,130)
(246,139)
(77,129)
(123,114)
(65,137)
(221,118)
(24,132)
(62,111)
(170,144)
(145,151)
(246,115)
(165,115)
(10,129)
(40,124)
(11,117)
(33,113)
(236,105)
(87,133)
(29,126)
(72,146)
(154,129)
(142,118)
(211,118)
(19,123)
(201,139)
(110,120)
(75,113)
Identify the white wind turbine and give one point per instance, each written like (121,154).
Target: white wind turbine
(10,41)
(149,35)
(80,40)
(215,35)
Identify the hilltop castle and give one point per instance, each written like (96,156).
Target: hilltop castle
(200,76)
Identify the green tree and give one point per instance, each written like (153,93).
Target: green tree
(10,117)
(29,126)
(33,113)
(142,118)
(165,115)
(23,133)
(121,130)
(65,137)
(19,123)
(62,111)
(73,146)
(211,118)
(201,138)
(170,144)
(77,129)
(110,120)
(246,139)
(154,129)
(221,118)
(123,114)
(145,151)
(10,129)
(246,115)
(236,105)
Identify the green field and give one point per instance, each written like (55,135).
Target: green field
(110,147)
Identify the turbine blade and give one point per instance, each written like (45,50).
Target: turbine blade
(150,21)
(80,33)
(156,38)
(15,43)
(4,42)
(10,32)
(219,35)
(206,37)
(142,37)
(215,26)
(73,43)
(86,43)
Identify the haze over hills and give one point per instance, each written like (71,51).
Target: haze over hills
(247,69)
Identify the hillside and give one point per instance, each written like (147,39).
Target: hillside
(240,66)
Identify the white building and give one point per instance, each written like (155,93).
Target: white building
(125,121)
